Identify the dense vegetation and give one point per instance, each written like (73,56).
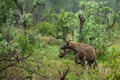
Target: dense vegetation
(32,31)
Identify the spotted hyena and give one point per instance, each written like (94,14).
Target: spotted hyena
(82,52)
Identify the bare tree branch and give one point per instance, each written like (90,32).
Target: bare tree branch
(62,76)
(113,23)
(10,65)
(20,8)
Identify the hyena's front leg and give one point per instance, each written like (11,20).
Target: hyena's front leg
(77,59)
(82,58)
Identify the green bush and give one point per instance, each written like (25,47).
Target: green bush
(112,59)
(46,28)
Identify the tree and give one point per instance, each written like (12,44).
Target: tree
(97,19)
(66,22)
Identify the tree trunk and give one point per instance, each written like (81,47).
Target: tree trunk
(72,30)
(82,20)
(64,34)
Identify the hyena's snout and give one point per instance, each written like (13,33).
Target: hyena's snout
(62,54)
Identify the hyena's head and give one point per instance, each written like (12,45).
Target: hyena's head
(62,53)
(66,45)
(65,48)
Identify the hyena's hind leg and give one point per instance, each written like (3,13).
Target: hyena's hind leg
(89,66)
(94,64)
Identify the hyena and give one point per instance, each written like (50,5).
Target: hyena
(82,52)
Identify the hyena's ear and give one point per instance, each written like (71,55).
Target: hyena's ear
(67,42)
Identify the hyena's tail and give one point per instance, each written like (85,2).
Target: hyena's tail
(96,50)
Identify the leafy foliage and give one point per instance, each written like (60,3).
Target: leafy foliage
(66,23)
(95,27)
(6,14)
(26,18)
